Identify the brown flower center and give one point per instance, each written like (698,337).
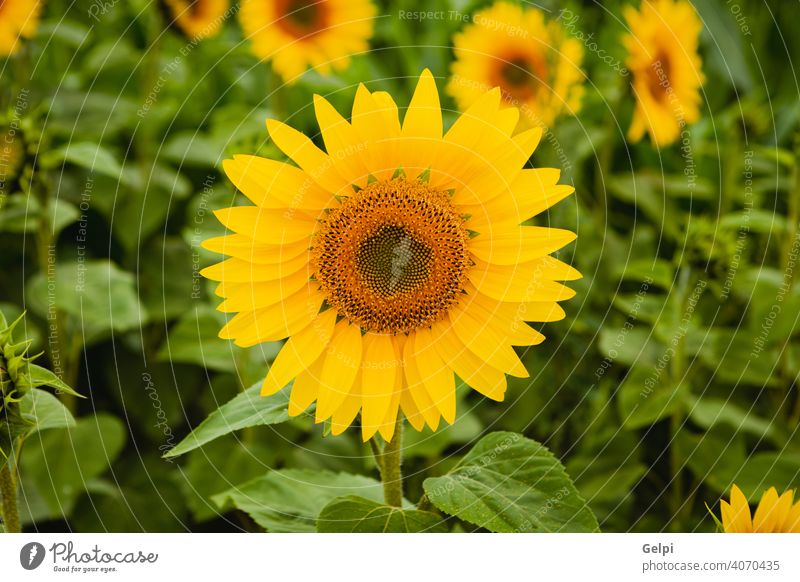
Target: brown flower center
(393,257)
(658,76)
(520,77)
(300,18)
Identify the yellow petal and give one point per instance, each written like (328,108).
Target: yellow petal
(341,143)
(377,126)
(766,514)
(378,379)
(434,391)
(387,427)
(272,184)
(304,388)
(422,127)
(344,416)
(783,510)
(519,244)
(410,410)
(486,343)
(276,321)
(300,351)
(241,271)
(309,157)
(424,115)
(740,521)
(259,294)
(245,248)
(270,226)
(470,368)
(342,363)
(415,387)
(532,281)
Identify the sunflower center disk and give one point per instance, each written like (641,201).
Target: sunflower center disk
(393,257)
(520,77)
(658,77)
(302,17)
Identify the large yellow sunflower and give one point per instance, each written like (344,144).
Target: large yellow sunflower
(198,18)
(666,68)
(296,34)
(18,20)
(394,260)
(534,62)
(774,514)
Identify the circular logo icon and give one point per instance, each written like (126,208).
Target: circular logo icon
(31,555)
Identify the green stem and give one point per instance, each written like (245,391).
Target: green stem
(793,223)
(677,372)
(389,460)
(8,489)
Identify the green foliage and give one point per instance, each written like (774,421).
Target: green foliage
(246,410)
(508,483)
(290,500)
(352,514)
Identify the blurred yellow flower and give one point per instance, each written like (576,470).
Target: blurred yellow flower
(296,34)
(774,514)
(534,62)
(198,18)
(666,68)
(18,20)
(394,260)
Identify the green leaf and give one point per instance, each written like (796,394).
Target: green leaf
(62,214)
(91,156)
(217,466)
(509,483)
(194,339)
(726,56)
(709,411)
(59,464)
(648,394)
(45,411)
(248,408)
(353,514)
(97,295)
(290,500)
(714,457)
(39,376)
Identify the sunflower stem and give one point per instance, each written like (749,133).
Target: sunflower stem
(8,490)
(389,461)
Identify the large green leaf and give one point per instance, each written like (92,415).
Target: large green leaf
(353,514)
(45,411)
(248,408)
(290,500)
(509,483)
(59,465)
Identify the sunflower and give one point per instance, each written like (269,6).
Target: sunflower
(296,34)
(535,64)
(18,19)
(393,261)
(774,514)
(667,76)
(198,18)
